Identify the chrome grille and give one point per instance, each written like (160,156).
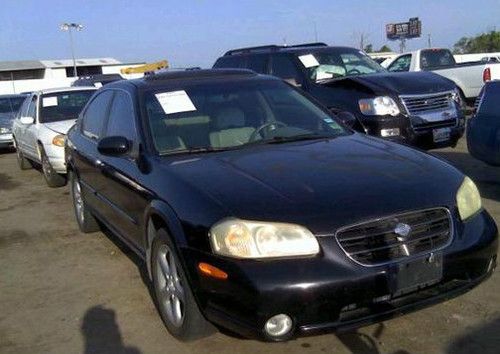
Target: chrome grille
(376,242)
(449,123)
(416,105)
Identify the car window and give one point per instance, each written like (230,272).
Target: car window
(488,105)
(436,58)
(66,105)
(257,63)
(282,66)
(95,115)
(401,64)
(32,108)
(121,120)
(234,62)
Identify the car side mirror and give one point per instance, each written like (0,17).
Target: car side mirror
(27,120)
(114,146)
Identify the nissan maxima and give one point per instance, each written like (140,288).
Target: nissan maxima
(255,210)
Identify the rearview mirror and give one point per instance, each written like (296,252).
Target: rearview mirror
(113,146)
(27,120)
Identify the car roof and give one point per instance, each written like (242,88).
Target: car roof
(65,89)
(298,48)
(14,95)
(174,77)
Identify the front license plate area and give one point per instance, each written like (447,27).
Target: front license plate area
(415,274)
(442,134)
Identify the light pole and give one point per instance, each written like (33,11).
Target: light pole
(69,27)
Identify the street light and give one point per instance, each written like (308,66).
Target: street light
(69,27)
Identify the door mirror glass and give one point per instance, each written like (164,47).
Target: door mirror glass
(27,120)
(114,146)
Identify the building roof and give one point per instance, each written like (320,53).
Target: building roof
(58,63)
(20,65)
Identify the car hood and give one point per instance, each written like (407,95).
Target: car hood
(321,184)
(412,83)
(61,127)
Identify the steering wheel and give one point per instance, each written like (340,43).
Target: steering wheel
(257,131)
(353,71)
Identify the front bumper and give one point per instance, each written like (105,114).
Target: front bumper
(329,292)
(56,158)
(6,140)
(412,131)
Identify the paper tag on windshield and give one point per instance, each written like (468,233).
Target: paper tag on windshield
(175,102)
(98,84)
(49,101)
(309,60)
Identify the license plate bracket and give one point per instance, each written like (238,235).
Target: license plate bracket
(415,274)
(441,134)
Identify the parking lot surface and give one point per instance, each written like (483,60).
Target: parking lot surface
(65,292)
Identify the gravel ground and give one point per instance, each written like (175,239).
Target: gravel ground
(65,292)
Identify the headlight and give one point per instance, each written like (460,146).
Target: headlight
(59,140)
(468,199)
(456,96)
(253,239)
(5,130)
(378,106)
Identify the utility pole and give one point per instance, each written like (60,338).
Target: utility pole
(68,27)
(429,41)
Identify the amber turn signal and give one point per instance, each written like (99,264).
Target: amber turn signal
(211,271)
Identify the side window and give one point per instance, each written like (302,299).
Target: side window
(401,64)
(121,120)
(95,115)
(32,108)
(283,67)
(257,63)
(233,62)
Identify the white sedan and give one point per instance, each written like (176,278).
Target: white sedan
(40,128)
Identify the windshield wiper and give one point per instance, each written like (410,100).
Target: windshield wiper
(286,139)
(194,150)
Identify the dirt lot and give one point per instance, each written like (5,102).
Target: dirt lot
(65,292)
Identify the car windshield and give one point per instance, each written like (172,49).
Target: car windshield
(436,58)
(61,106)
(10,105)
(221,116)
(338,63)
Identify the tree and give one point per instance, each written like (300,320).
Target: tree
(385,48)
(369,48)
(485,42)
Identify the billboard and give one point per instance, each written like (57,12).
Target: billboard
(404,30)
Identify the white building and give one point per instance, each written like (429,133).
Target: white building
(30,75)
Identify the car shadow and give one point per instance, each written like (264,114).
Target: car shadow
(102,334)
(7,150)
(360,343)
(486,177)
(484,339)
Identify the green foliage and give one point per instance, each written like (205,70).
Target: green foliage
(385,48)
(368,48)
(483,43)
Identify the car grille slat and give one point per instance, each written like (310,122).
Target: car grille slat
(376,242)
(427,103)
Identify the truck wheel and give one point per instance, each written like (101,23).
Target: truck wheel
(87,223)
(174,298)
(22,162)
(53,179)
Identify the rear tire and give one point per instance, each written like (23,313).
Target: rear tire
(22,162)
(53,179)
(174,298)
(87,223)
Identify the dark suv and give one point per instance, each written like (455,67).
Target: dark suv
(420,108)
(256,211)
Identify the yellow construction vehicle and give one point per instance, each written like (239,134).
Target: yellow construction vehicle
(145,68)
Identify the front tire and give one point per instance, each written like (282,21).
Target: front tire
(173,295)
(87,223)
(53,179)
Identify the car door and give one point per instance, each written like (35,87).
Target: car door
(17,126)
(29,135)
(86,159)
(121,188)
(284,67)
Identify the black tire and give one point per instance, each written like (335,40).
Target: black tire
(193,325)
(87,223)
(53,179)
(22,162)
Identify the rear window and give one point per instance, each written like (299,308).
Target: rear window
(61,106)
(231,62)
(436,58)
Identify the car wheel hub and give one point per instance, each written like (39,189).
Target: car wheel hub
(171,292)
(77,195)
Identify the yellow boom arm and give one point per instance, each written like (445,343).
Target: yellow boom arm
(145,68)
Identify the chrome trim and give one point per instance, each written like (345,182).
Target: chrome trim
(423,96)
(413,256)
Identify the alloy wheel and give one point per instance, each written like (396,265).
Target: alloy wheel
(78,201)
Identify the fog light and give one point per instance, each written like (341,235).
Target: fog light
(278,325)
(390,132)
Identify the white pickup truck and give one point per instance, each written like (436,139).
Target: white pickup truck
(469,77)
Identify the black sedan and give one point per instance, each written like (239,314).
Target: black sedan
(256,211)
(483,129)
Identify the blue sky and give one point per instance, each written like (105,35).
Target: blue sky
(196,32)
